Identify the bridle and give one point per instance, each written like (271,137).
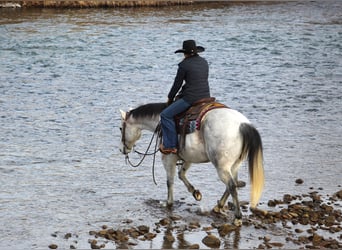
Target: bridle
(156,148)
(123,131)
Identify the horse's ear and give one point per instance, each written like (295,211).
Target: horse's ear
(123,114)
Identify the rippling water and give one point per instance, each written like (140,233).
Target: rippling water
(64,75)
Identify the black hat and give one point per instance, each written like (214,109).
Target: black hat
(189,47)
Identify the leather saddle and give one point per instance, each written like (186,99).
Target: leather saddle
(190,120)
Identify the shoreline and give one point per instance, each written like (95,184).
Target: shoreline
(111,3)
(90,3)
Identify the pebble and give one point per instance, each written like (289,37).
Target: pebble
(211,241)
(291,211)
(312,211)
(299,181)
(225,229)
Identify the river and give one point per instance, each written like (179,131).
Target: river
(65,73)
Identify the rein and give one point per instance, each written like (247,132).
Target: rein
(156,149)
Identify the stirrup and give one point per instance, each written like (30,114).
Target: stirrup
(167,151)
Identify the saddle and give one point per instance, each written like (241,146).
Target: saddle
(190,120)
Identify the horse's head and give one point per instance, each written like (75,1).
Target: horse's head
(130,132)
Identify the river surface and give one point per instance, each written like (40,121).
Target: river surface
(64,75)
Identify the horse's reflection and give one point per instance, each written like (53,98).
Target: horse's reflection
(177,240)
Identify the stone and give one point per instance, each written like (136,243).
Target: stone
(150,236)
(226,229)
(299,181)
(169,238)
(211,241)
(194,246)
(338,194)
(67,236)
(144,229)
(194,225)
(165,222)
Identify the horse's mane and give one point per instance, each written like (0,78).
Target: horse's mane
(148,110)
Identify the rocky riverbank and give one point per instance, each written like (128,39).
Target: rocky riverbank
(307,221)
(90,3)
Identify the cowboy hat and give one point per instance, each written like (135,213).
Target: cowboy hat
(189,47)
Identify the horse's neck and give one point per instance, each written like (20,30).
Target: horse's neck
(150,124)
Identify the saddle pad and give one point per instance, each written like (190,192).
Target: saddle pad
(191,119)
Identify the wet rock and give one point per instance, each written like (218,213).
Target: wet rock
(53,246)
(226,229)
(93,244)
(194,225)
(169,237)
(150,236)
(261,246)
(127,221)
(209,228)
(267,238)
(67,236)
(271,203)
(338,194)
(119,236)
(316,239)
(175,217)
(276,244)
(194,246)
(330,220)
(102,233)
(287,198)
(144,229)
(299,181)
(165,222)
(259,212)
(211,241)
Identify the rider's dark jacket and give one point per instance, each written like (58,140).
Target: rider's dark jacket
(194,71)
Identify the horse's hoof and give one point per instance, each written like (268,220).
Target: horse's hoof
(241,184)
(237,222)
(217,209)
(220,211)
(197,195)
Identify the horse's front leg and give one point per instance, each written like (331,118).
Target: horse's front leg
(169,162)
(182,175)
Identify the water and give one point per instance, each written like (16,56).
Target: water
(64,75)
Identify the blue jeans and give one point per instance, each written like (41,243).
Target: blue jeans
(168,126)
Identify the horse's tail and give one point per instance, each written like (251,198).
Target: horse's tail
(252,150)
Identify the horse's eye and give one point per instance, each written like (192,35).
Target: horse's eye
(120,129)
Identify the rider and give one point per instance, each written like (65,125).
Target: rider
(194,70)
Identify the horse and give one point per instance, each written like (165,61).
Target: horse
(226,138)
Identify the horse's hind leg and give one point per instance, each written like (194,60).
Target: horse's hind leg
(230,178)
(222,201)
(237,212)
(182,175)
(230,189)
